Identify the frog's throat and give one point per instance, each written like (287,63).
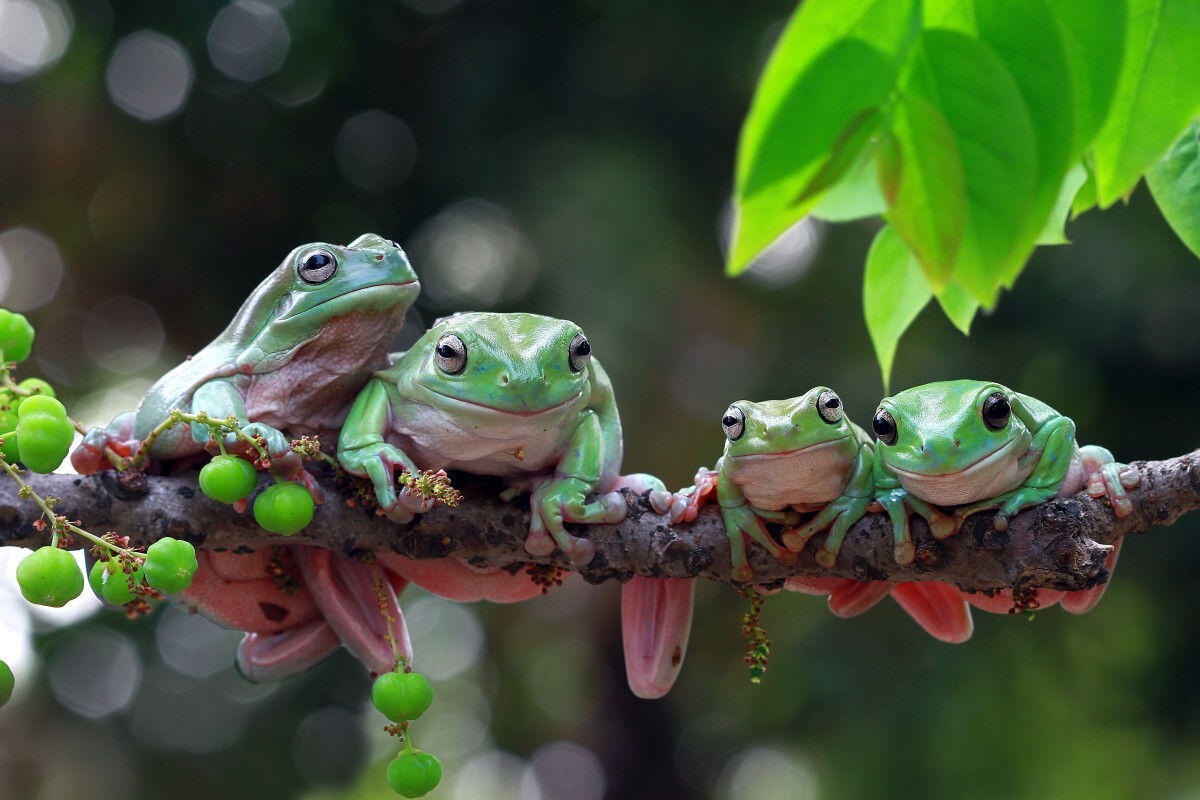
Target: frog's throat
(807,450)
(982,464)
(357,293)
(493,409)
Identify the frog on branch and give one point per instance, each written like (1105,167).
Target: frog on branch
(804,455)
(292,360)
(971,446)
(518,396)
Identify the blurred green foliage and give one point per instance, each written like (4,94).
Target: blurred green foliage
(584,149)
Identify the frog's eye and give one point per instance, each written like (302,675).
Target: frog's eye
(996,411)
(580,353)
(450,354)
(884,427)
(829,406)
(317,266)
(733,423)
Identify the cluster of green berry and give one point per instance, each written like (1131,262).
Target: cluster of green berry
(33,425)
(402,697)
(284,508)
(50,576)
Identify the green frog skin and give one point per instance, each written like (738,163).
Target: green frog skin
(976,445)
(518,396)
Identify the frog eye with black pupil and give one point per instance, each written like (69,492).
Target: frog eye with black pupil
(580,352)
(733,423)
(317,266)
(884,427)
(996,411)
(829,406)
(450,354)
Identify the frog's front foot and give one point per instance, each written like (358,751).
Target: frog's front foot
(745,521)
(562,500)
(656,621)
(276,443)
(1111,480)
(92,453)
(379,462)
(684,505)
(838,516)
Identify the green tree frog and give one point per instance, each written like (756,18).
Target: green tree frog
(517,396)
(976,445)
(294,355)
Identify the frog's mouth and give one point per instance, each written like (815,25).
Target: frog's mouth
(555,407)
(980,465)
(359,295)
(807,450)
(985,478)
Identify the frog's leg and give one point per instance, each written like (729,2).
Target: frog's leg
(656,620)
(457,580)
(362,451)
(359,603)
(938,608)
(245,592)
(563,498)
(841,513)
(219,399)
(90,457)
(743,519)
(1108,477)
(1055,444)
(685,505)
(271,657)
(847,597)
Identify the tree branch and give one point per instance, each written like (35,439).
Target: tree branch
(1061,544)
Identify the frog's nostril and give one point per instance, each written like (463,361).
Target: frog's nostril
(379,257)
(958,443)
(503,380)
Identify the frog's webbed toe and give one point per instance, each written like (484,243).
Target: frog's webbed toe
(271,657)
(456,580)
(656,621)
(847,597)
(253,592)
(938,608)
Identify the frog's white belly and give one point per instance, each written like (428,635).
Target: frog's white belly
(816,474)
(484,442)
(998,473)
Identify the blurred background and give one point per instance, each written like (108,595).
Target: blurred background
(574,158)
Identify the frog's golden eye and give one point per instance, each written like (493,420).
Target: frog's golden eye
(829,406)
(884,427)
(450,354)
(580,352)
(317,266)
(733,423)
(996,411)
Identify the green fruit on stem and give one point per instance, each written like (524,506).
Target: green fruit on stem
(113,586)
(49,577)
(10,449)
(16,336)
(36,386)
(170,565)
(228,479)
(43,439)
(6,683)
(284,508)
(41,404)
(402,696)
(414,773)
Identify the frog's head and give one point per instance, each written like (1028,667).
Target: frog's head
(948,428)
(785,427)
(513,363)
(363,289)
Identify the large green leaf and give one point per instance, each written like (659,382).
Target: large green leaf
(1175,183)
(1157,94)
(1094,34)
(958,306)
(922,180)
(856,195)
(813,125)
(894,292)
(982,104)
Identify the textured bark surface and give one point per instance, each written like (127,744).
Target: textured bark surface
(1060,544)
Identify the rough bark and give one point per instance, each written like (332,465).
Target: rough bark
(1061,544)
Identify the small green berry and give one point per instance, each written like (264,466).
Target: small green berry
(6,683)
(36,386)
(44,440)
(170,565)
(113,586)
(10,449)
(402,696)
(49,577)
(228,479)
(16,336)
(41,404)
(284,508)
(414,773)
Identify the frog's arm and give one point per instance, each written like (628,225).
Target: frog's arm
(741,520)
(604,403)
(362,450)
(897,502)
(219,399)
(841,513)
(1054,448)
